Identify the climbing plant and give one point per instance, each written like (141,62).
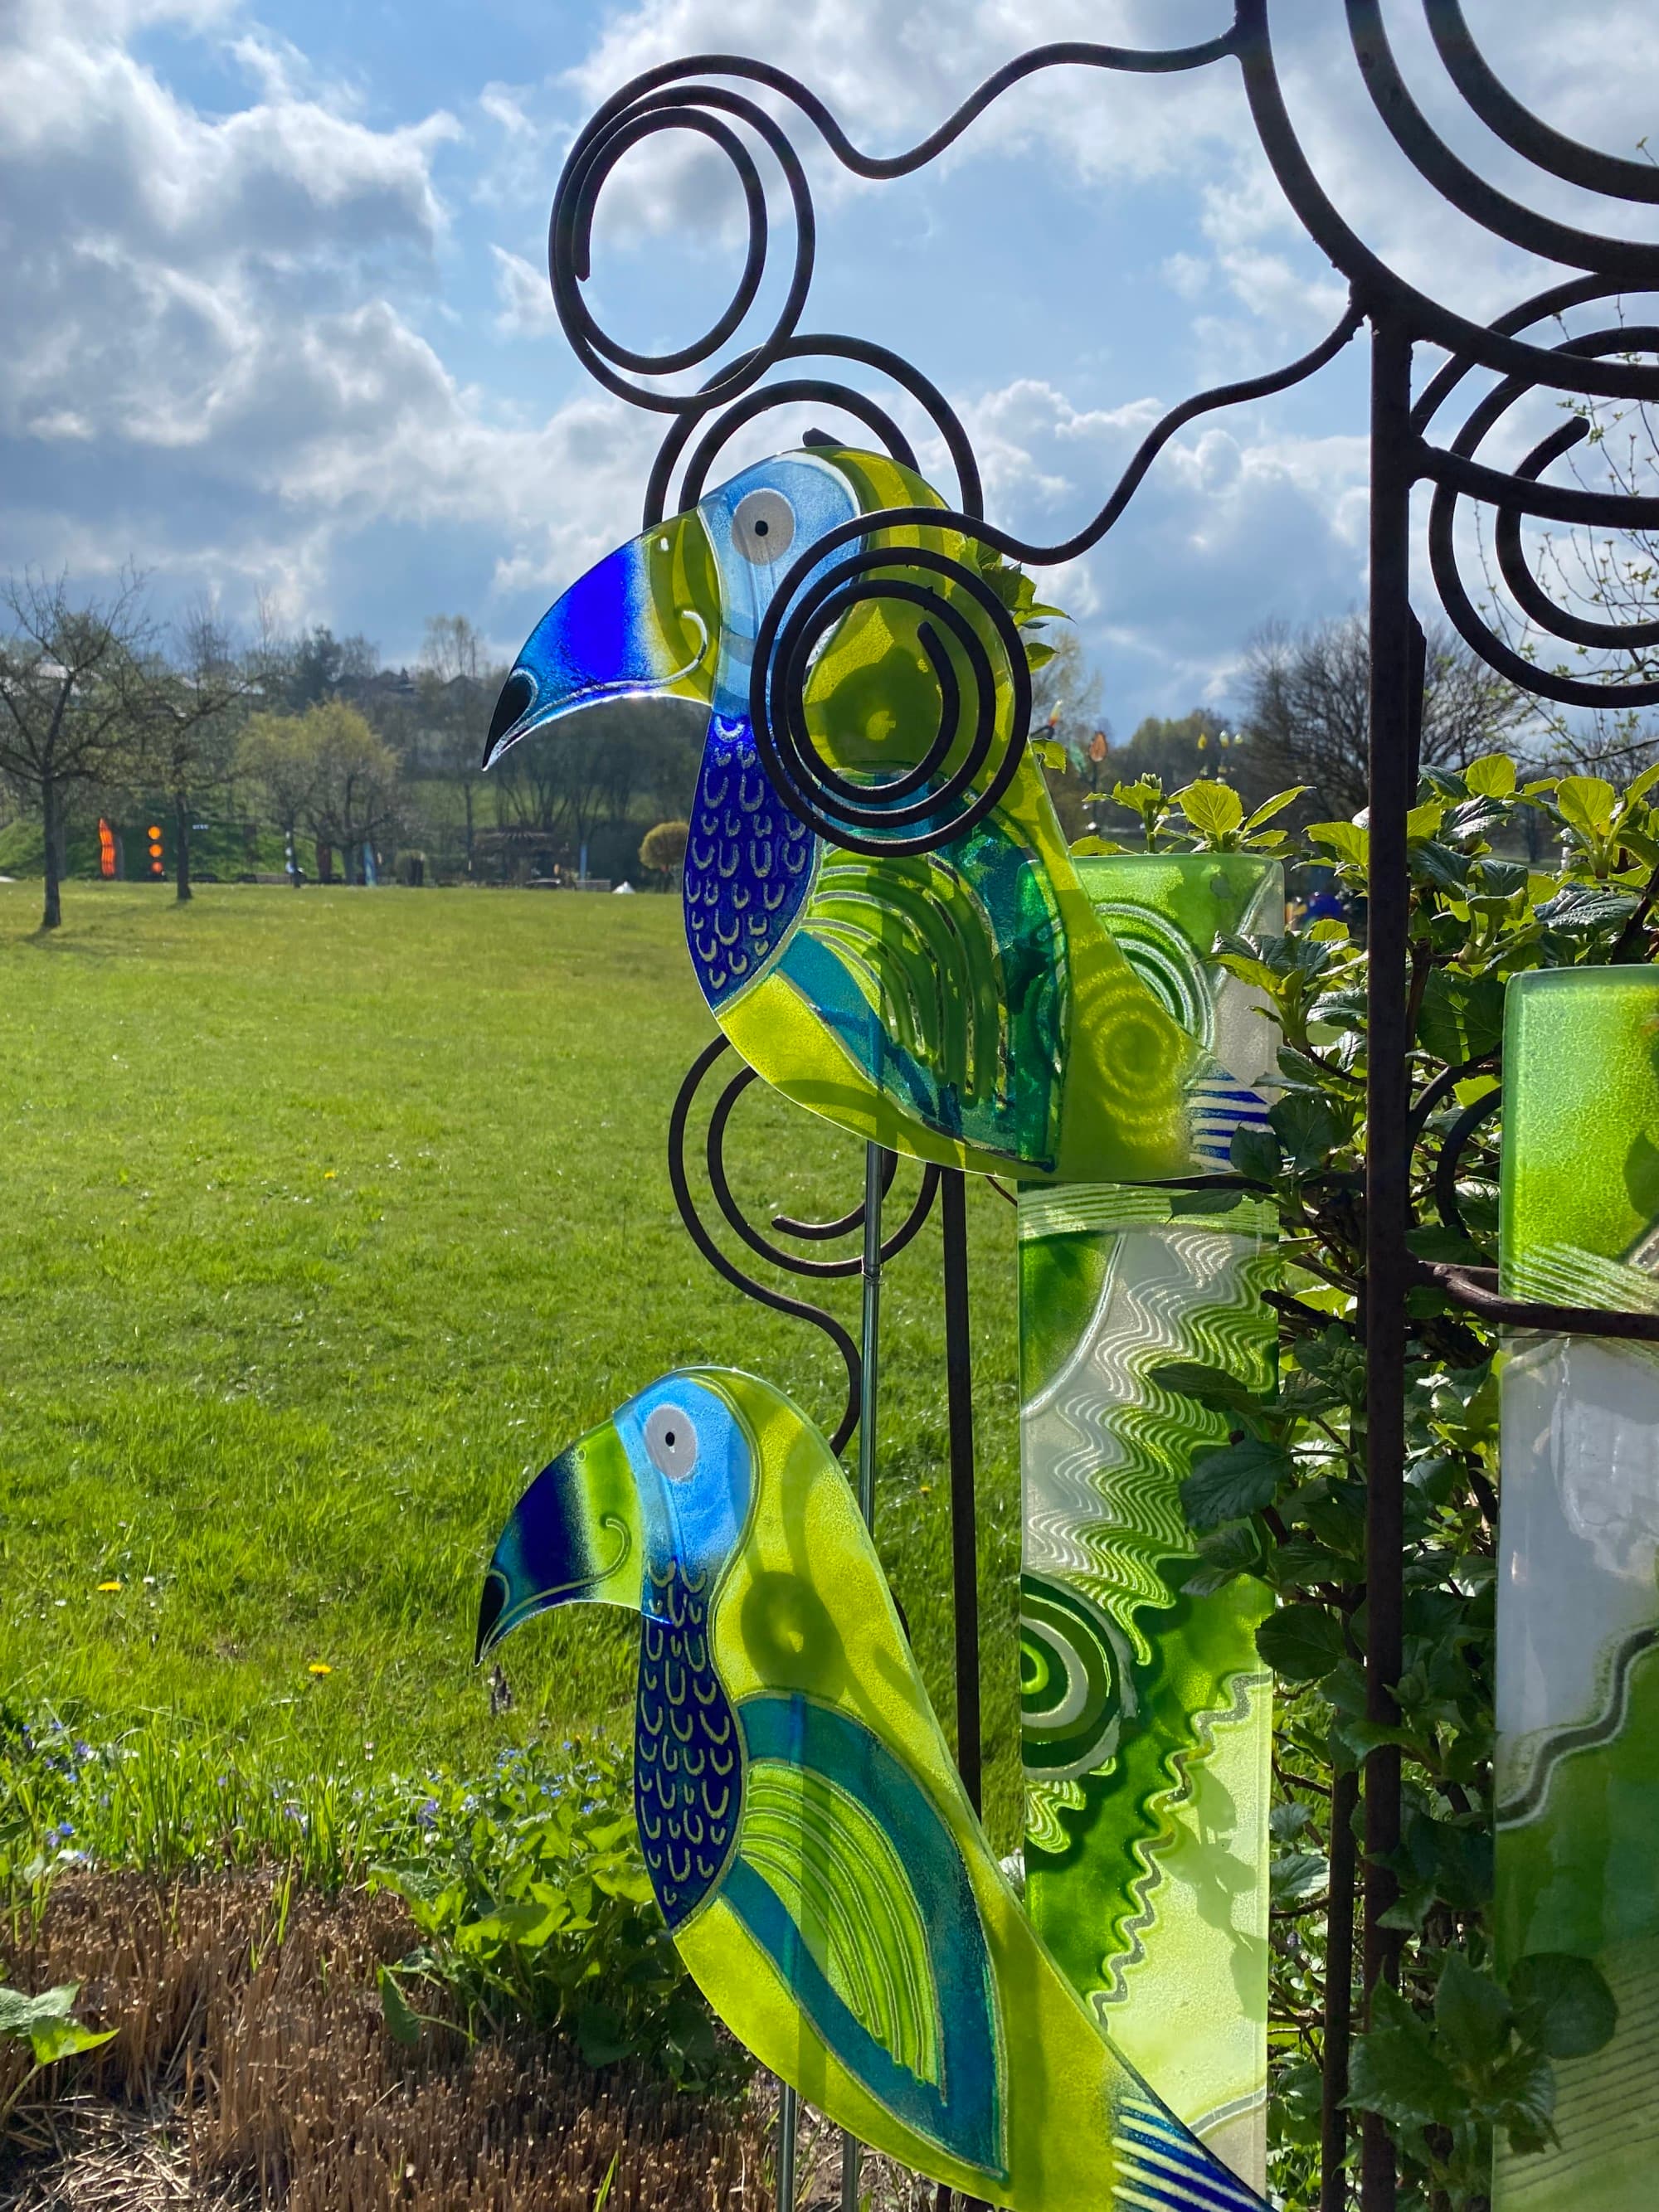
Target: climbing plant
(1458,2052)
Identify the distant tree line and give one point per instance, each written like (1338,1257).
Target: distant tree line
(305,755)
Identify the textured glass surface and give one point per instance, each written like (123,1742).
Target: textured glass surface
(1577,1757)
(966,1007)
(807,1837)
(1146,1713)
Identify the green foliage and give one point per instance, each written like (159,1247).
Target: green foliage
(1456,2056)
(47,2025)
(536,1906)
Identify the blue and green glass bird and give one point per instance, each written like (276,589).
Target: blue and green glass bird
(811,1849)
(965,1005)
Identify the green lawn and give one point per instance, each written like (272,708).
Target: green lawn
(331,1217)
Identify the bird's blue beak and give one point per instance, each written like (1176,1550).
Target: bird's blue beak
(577,1535)
(645,623)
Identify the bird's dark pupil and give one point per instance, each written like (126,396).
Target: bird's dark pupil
(762,528)
(668,1438)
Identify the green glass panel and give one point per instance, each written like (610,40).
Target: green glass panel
(805,1832)
(1146,1714)
(1577,1771)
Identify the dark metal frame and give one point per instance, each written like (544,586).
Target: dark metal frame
(698,95)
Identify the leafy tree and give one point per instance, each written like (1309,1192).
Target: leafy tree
(1306,708)
(72,700)
(663,849)
(353,799)
(278,756)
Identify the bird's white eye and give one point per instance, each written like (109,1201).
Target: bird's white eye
(763,526)
(671,1441)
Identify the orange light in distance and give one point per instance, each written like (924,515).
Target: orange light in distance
(106,850)
(157,864)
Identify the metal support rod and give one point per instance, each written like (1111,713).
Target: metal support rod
(870,1348)
(1387,1161)
(964,1534)
(1339,1996)
(789,2127)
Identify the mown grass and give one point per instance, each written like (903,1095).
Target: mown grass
(329,1218)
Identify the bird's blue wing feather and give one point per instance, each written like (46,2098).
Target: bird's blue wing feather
(892,2038)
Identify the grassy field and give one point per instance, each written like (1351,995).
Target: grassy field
(330,1217)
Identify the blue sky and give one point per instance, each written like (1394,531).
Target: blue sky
(280,330)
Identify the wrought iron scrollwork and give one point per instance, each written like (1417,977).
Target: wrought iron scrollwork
(758,1242)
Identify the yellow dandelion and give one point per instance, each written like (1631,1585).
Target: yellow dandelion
(318,1668)
(331,1175)
(109,1586)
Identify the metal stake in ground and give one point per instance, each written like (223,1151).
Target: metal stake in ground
(870,1348)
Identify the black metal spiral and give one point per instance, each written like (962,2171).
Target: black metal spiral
(973,754)
(1523,496)
(756,1240)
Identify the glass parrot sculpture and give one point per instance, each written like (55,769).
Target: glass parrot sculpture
(963,1005)
(807,1838)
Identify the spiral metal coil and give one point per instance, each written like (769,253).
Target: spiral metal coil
(764,1245)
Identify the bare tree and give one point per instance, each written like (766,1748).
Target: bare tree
(1604,582)
(1306,695)
(71,703)
(191,697)
(457,686)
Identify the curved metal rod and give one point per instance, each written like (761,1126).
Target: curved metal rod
(778,1300)
(1626,261)
(849,1223)
(760,398)
(1476,1290)
(1383,293)
(880,167)
(1553,302)
(1529,593)
(834,346)
(1518,127)
(569,226)
(1451,1157)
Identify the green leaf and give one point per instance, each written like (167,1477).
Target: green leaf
(602,2036)
(20,2015)
(62,2038)
(1309,1127)
(1587,907)
(396,2009)
(1298,1876)
(1471,2012)
(1562,2004)
(1230,1485)
(1394,2070)
(1302,1643)
(1210,1386)
(1422,823)
(1586,803)
(1462,1017)
(1491,776)
(1276,804)
(1254,1154)
(1215,810)
(1346,840)
(1205,1202)
(1049,751)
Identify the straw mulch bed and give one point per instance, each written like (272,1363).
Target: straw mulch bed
(252,2069)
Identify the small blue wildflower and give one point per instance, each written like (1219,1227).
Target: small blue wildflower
(427,1814)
